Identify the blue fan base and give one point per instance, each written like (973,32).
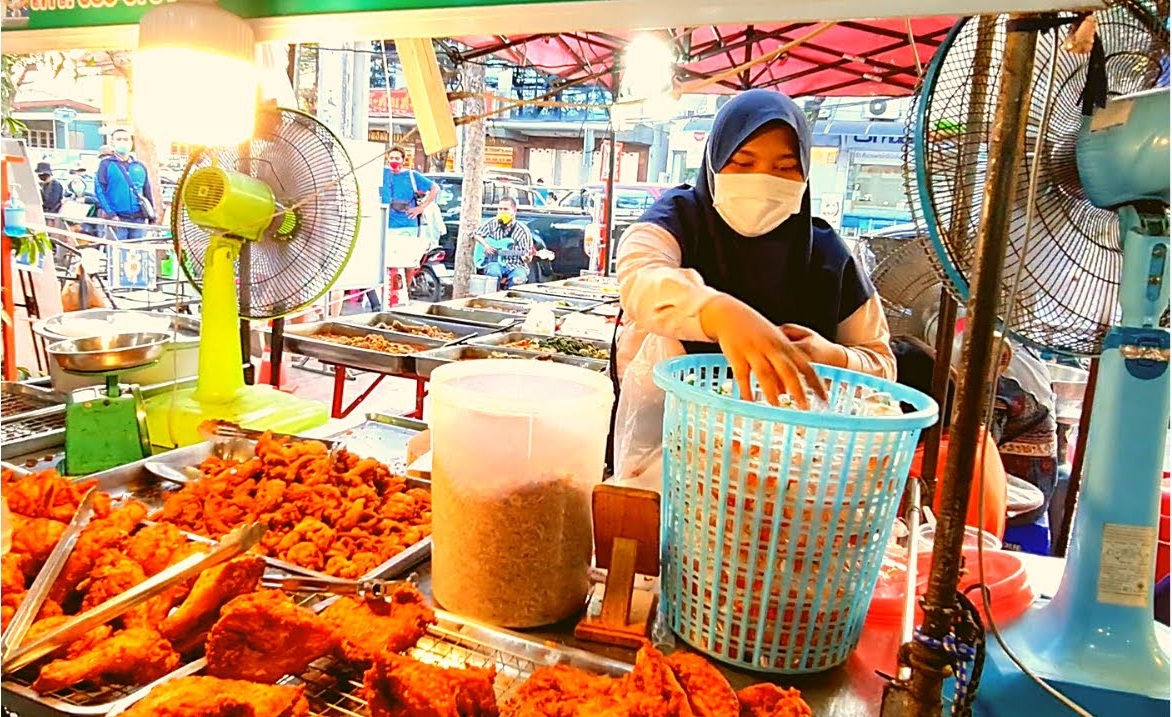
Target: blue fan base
(1006,692)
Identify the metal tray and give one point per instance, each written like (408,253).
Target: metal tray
(299,339)
(429,361)
(185,328)
(532,298)
(382,437)
(567,292)
(473,317)
(133,480)
(334,689)
(462,331)
(18,400)
(511,336)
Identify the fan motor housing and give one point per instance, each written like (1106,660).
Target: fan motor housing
(229,202)
(1123,153)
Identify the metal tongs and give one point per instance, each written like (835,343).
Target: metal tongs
(230,546)
(31,605)
(366,589)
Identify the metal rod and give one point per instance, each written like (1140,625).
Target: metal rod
(1006,152)
(608,240)
(277,352)
(1072,488)
(941,372)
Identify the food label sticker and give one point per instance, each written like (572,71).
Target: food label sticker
(1114,114)
(1125,567)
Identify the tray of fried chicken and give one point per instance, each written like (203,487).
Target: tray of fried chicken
(397,657)
(114,552)
(329,511)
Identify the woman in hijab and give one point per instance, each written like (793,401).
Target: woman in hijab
(737,264)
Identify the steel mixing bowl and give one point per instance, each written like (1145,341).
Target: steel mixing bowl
(104,354)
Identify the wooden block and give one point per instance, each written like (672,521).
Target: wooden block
(632,633)
(429,94)
(621,512)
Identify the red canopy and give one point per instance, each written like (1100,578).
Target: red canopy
(876,58)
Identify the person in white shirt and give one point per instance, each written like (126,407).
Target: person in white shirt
(737,264)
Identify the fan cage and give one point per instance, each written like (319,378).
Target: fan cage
(311,176)
(1068,295)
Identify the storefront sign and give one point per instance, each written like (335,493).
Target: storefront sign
(875,141)
(501,157)
(396,103)
(52,14)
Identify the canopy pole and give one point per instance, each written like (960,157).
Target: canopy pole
(931,665)
(608,243)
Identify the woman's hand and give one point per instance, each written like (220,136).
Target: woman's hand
(755,347)
(814,346)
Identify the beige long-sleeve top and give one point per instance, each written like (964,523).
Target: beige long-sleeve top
(661,297)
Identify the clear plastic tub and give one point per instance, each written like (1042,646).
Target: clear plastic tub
(972,536)
(517,448)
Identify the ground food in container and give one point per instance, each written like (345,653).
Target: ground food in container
(519,557)
(431,332)
(565,345)
(370,342)
(331,512)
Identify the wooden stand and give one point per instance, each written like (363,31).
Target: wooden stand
(626,543)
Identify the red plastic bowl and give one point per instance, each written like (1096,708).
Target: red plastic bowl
(1010,593)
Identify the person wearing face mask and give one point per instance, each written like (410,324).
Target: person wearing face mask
(123,186)
(507,244)
(737,264)
(407,194)
(52,193)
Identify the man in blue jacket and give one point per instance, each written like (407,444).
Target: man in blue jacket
(122,186)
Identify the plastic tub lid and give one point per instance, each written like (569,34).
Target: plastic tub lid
(1010,592)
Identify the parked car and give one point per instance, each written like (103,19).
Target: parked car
(563,231)
(631,200)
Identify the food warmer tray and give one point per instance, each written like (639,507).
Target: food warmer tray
(429,361)
(509,337)
(382,437)
(32,419)
(299,338)
(531,298)
(133,480)
(462,331)
(335,690)
(562,291)
(473,317)
(519,308)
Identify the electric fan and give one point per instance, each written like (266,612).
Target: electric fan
(907,283)
(1094,279)
(262,229)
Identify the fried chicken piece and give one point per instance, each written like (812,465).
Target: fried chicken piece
(13,586)
(48,495)
(368,628)
(138,655)
(398,686)
(82,644)
(709,693)
(264,636)
(563,691)
(97,538)
(154,546)
(35,537)
(114,574)
(652,688)
(767,700)
(214,697)
(212,590)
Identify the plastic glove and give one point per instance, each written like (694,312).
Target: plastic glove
(755,347)
(815,346)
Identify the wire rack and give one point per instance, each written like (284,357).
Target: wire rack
(13,404)
(335,690)
(25,428)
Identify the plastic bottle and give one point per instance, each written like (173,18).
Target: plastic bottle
(15,216)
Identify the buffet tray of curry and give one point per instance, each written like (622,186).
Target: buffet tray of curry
(588,349)
(361,347)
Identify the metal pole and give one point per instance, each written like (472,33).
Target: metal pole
(608,210)
(1006,152)
(945,330)
(1072,487)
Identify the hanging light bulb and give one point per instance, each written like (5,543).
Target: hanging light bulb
(195,78)
(647,82)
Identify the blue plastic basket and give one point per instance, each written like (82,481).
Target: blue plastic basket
(776,520)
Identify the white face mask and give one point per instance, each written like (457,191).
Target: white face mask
(756,204)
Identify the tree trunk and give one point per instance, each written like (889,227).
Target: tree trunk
(472,81)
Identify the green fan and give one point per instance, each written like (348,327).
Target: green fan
(263,229)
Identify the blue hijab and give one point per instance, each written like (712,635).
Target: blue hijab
(799,273)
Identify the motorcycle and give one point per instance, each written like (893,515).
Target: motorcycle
(433,280)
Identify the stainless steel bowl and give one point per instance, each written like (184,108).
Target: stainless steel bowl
(103,354)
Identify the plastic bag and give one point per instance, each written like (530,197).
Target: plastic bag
(638,436)
(83,294)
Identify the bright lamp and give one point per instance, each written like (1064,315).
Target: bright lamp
(646,90)
(195,78)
